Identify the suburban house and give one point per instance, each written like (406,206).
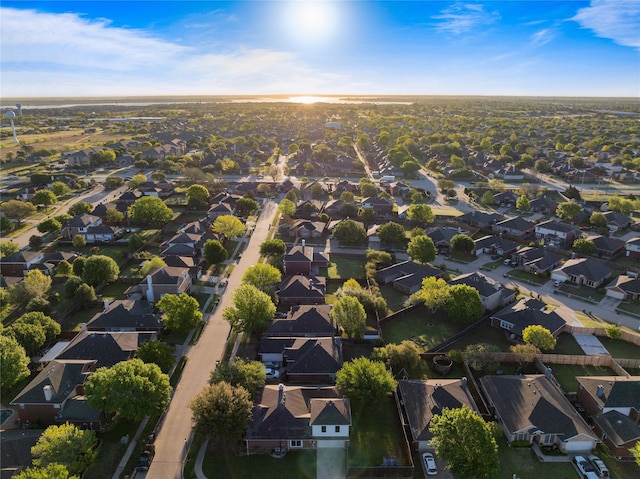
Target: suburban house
(301,258)
(106,348)
(298,417)
(441,236)
(584,271)
(616,221)
(536,260)
(632,248)
(305,360)
(382,206)
(125,315)
(79,225)
(557,234)
(505,198)
(407,276)
(56,395)
(167,280)
(527,312)
(422,400)
(626,288)
(614,404)
(607,247)
(307,229)
(129,197)
(220,209)
(495,245)
(531,408)
(302,289)
(338,208)
(517,226)
(543,205)
(480,219)
(509,173)
(493,294)
(18,264)
(306,321)
(83,157)
(308,209)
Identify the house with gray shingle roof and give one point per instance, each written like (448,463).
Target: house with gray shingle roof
(531,408)
(625,287)
(583,271)
(106,348)
(491,244)
(407,276)
(616,221)
(302,289)
(19,263)
(516,226)
(307,321)
(556,233)
(607,247)
(126,315)
(536,260)
(493,294)
(527,312)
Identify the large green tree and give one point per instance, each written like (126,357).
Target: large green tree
(349,232)
(99,269)
(44,197)
(181,311)
(273,248)
(17,210)
(462,243)
(522,203)
(421,248)
(464,303)
(152,264)
(80,208)
(421,214)
(228,226)
(262,276)
(215,252)
(287,207)
(197,196)
(14,363)
(246,206)
(51,471)
(222,411)
(568,210)
(349,314)
(365,381)
(49,226)
(157,352)
(34,286)
(398,356)
(584,246)
(539,336)
(133,389)
(462,426)
(434,292)
(8,247)
(392,232)
(149,210)
(68,445)
(251,375)
(60,188)
(252,310)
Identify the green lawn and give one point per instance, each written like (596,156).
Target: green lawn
(484,334)
(583,293)
(74,322)
(523,462)
(111,449)
(114,291)
(527,276)
(223,462)
(632,307)
(566,344)
(376,433)
(201,297)
(566,374)
(621,349)
(428,330)
(345,268)
(394,298)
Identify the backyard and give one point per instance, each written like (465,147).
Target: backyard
(566,374)
(345,268)
(425,329)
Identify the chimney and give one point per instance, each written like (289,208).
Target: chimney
(106,304)
(48,392)
(464,383)
(303,243)
(150,296)
(600,391)
(547,373)
(280,393)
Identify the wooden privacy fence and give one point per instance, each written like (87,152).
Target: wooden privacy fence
(602,332)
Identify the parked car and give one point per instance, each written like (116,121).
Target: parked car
(279,314)
(429,464)
(557,283)
(599,466)
(271,365)
(584,467)
(272,373)
(507,262)
(144,461)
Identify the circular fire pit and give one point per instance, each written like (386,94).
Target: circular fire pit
(442,364)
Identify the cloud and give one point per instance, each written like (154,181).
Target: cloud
(542,37)
(617,20)
(463,17)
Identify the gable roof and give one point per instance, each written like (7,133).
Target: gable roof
(496,241)
(334,412)
(300,286)
(554,225)
(516,223)
(314,356)
(524,314)
(299,253)
(443,233)
(618,391)
(167,275)
(533,404)
(606,243)
(408,269)
(303,320)
(107,348)
(486,286)
(126,313)
(590,269)
(626,284)
(620,429)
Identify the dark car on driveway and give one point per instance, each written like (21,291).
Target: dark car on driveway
(144,461)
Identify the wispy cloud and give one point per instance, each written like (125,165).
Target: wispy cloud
(542,37)
(462,18)
(618,20)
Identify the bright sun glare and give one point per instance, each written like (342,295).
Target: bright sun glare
(311,22)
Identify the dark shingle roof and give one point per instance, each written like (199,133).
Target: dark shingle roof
(107,348)
(486,286)
(123,314)
(304,320)
(334,412)
(620,429)
(590,269)
(314,356)
(619,391)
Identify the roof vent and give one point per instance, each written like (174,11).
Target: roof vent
(48,392)
(600,391)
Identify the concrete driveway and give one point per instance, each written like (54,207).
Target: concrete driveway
(331,463)
(590,344)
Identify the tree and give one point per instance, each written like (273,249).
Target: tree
(49,226)
(434,293)
(273,248)
(80,208)
(34,285)
(149,210)
(63,268)
(398,356)
(250,375)
(99,269)
(136,241)
(8,247)
(444,185)
(539,336)
(598,220)
(543,166)
(246,206)
(157,352)
(17,210)
(14,363)
(368,190)
(32,330)
(151,265)
(229,226)
(347,196)
(453,427)
(349,232)
(51,471)
(136,181)
(367,215)
(613,331)
(181,311)
(44,197)
(215,252)
(462,243)
(584,246)
(365,381)
(525,352)
(635,450)
(487,198)
(133,389)
(522,203)
(421,214)
(392,232)
(568,210)
(68,445)
(114,216)
(621,205)
(35,241)
(262,276)
(421,248)
(78,266)
(222,411)
(78,241)
(464,303)
(197,196)
(287,207)
(84,294)
(252,310)
(349,314)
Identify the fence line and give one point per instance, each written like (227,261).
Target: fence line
(602,332)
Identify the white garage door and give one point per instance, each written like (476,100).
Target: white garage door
(615,294)
(578,446)
(339,443)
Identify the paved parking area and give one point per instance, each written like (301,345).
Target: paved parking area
(590,344)
(331,463)
(443,472)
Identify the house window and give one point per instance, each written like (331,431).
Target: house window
(506,325)
(324,428)
(295,443)
(337,428)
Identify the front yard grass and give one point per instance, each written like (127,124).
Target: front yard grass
(582,292)
(111,449)
(524,464)
(376,433)
(566,374)
(526,276)
(633,307)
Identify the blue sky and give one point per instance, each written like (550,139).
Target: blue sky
(119,48)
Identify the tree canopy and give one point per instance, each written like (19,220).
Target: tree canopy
(157,352)
(584,246)
(197,196)
(51,471)
(251,375)
(44,197)
(14,363)
(462,243)
(421,248)
(420,213)
(33,287)
(215,252)
(262,276)
(392,232)
(365,381)
(181,311)
(17,210)
(8,247)
(434,292)
(68,445)
(287,207)
(349,314)
(246,206)
(464,303)
(227,225)
(149,210)
(568,210)
(273,248)
(252,310)
(349,232)
(100,269)
(539,336)
(80,208)
(151,265)
(133,389)
(462,426)
(398,356)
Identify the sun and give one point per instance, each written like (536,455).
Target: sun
(311,22)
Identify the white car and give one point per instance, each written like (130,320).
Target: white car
(271,365)
(584,467)
(272,373)
(599,466)
(429,464)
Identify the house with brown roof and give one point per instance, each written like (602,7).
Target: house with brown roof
(300,259)
(307,229)
(422,400)
(304,320)
(299,417)
(302,289)
(532,408)
(607,247)
(19,263)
